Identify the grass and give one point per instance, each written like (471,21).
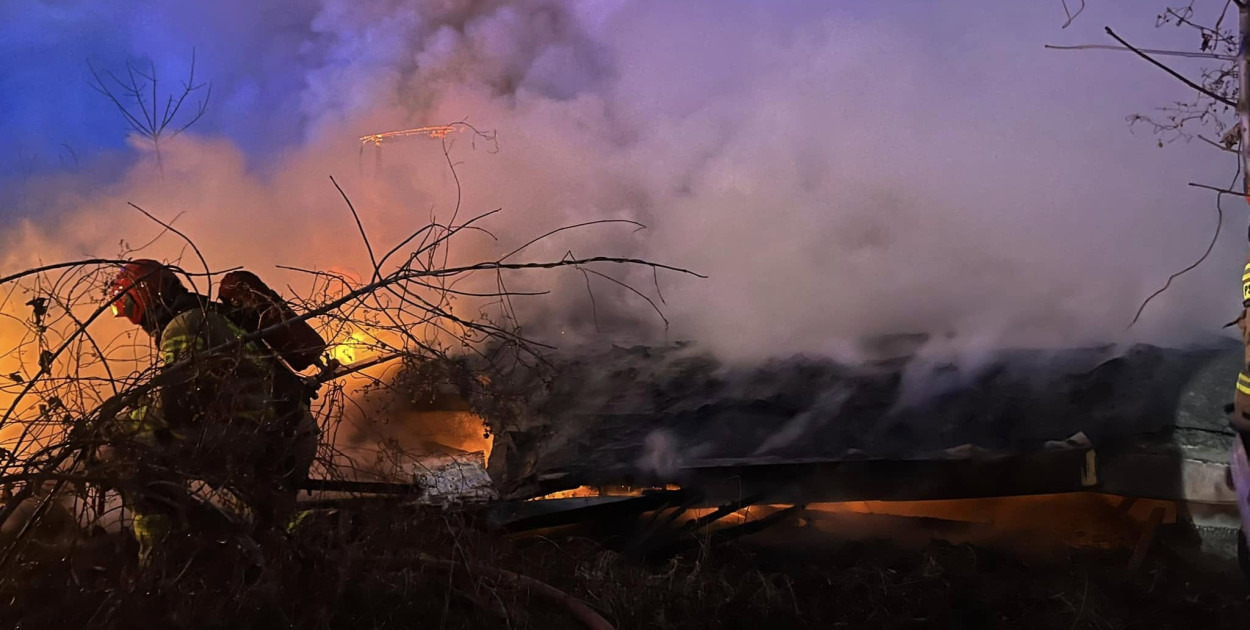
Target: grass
(372,569)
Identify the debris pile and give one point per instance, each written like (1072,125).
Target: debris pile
(450,479)
(620,414)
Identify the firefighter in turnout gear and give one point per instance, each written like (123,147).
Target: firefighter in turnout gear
(236,418)
(1241,398)
(1239,418)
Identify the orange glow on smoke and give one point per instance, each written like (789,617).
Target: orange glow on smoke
(437,132)
(350,350)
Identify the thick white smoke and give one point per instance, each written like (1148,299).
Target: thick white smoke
(836,171)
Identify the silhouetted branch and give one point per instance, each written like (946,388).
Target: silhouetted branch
(1152,51)
(1070,15)
(1219,222)
(150,121)
(1170,71)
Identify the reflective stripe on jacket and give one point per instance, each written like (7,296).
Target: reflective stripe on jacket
(230,386)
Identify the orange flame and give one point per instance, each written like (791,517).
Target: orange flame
(376,139)
(349,350)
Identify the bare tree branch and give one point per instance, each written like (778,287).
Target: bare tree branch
(1152,51)
(1070,15)
(148,119)
(408,317)
(1219,223)
(1170,71)
(169,226)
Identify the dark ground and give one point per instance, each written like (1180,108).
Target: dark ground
(366,571)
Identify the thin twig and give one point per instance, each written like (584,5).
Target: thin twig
(1216,144)
(359,226)
(1170,71)
(640,294)
(168,226)
(62,265)
(1152,51)
(1070,15)
(569,227)
(1222,191)
(1219,222)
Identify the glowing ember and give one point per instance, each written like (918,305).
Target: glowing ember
(377,139)
(1081,520)
(602,491)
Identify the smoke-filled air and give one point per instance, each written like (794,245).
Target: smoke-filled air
(836,170)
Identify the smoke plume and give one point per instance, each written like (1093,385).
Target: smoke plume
(837,172)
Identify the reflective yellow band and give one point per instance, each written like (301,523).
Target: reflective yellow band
(1245,389)
(1243,378)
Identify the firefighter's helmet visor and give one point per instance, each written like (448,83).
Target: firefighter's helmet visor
(124,306)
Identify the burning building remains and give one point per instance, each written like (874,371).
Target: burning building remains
(498,349)
(1142,421)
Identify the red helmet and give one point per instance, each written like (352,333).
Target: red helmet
(143,282)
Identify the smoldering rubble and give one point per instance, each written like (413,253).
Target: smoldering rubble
(623,413)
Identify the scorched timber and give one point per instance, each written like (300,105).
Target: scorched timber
(1143,421)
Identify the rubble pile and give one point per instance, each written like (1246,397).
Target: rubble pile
(654,407)
(448,479)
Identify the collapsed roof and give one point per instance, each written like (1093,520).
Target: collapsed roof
(618,415)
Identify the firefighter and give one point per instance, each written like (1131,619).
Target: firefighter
(235,418)
(1240,418)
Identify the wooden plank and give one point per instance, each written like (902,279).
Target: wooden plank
(1148,474)
(1167,477)
(360,487)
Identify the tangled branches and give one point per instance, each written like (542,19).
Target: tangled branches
(1210,115)
(137,100)
(1216,115)
(72,373)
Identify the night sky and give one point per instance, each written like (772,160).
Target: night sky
(258,56)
